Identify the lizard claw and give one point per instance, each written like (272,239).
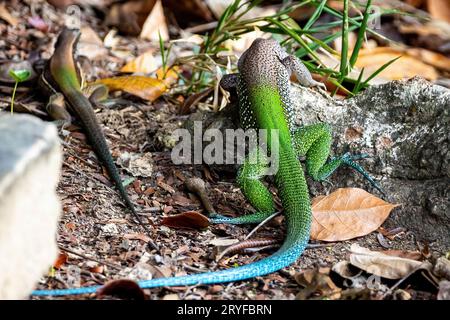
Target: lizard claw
(355,157)
(348,159)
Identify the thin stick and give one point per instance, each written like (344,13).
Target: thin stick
(262,223)
(89,258)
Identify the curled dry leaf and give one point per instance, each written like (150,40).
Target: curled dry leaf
(317,285)
(144,63)
(346,270)
(125,289)
(143,87)
(147,88)
(168,76)
(384,265)
(189,220)
(129,16)
(413,255)
(155,25)
(62,259)
(347,213)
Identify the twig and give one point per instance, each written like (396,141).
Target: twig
(89,258)
(201,27)
(262,223)
(87,176)
(319,245)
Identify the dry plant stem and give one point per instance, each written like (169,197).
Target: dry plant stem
(319,245)
(201,27)
(262,223)
(89,258)
(245,245)
(399,282)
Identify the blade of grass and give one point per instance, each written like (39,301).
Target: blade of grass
(344,49)
(358,84)
(315,15)
(361,35)
(296,37)
(383,67)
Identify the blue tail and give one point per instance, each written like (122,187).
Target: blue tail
(282,258)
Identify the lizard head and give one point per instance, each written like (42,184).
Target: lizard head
(262,61)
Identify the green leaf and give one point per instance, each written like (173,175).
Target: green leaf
(20,75)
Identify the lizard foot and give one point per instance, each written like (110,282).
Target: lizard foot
(350,159)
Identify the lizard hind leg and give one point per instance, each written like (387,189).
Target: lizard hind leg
(314,142)
(249,180)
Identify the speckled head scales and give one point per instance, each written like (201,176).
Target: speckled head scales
(261,63)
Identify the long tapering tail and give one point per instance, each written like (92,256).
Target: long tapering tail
(294,196)
(283,258)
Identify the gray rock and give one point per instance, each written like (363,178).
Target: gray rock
(404,127)
(30,164)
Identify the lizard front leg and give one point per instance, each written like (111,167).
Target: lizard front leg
(314,142)
(56,109)
(295,66)
(255,167)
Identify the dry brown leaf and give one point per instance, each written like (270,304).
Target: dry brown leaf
(155,25)
(169,77)
(144,63)
(137,236)
(405,67)
(439,9)
(432,58)
(130,16)
(90,44)
(123,288)
(317,285)
(144,87)
(346,270)
(347,213)
(194,99)
(383,265)
(5,15)
(62,259)
(166,187)
(61,3)
(97,269)
(415,3)
(433,28)
(189,220)
(413,255)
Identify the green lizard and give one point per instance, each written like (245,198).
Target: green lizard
(264,103)
(61,81)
